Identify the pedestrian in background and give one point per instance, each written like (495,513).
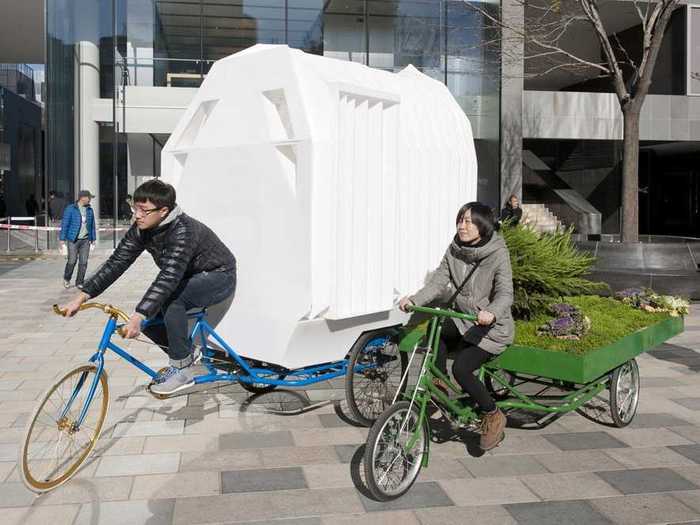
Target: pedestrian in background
(512,211)
(78,234)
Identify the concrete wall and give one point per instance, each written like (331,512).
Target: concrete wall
(597,116)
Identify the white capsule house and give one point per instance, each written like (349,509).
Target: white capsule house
(334,184)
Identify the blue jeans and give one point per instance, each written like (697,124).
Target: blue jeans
(77,250)
(200,290)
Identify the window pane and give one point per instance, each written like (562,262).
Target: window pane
(233,25)
(403,32)
(694,51)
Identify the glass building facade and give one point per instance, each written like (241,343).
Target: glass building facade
(97,46)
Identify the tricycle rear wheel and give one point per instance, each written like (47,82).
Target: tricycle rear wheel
(374,376)
(624,393)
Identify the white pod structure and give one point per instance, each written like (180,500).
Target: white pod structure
(334,184)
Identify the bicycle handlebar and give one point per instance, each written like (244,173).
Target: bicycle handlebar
(441,312)
(106,308)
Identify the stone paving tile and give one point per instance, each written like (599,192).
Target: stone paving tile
(9,451)
(336,436)
(487,491)
(55,514)
(584,441)
(656,421)
(156,512)
(646,480)
(502,466)
(691,403)
(648,457)
(427,494)
(690,498)
(443,468)
(345,453)
(556,513)
(149,428)
(15,495)
(483,515)
(184,443)
(6,467)
(332,421)
(330,476)
(179,485)
(644,509)
(518,444)
(242,440)
(135,465)
(578,461)
(265,506)
(297,456)
(376,518)
(568,486)
(689,432)
(220,460)
(88,490)
(648,437)
(691,452)
(262,480)
(293,521)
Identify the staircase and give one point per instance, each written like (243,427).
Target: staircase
(539,218)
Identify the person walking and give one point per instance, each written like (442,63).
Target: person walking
(78,234)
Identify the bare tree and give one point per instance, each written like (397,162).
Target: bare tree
(544,37)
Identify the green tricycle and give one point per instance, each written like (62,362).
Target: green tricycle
(398,443)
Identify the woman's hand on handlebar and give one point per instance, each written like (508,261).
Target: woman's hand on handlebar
(71,308)
(405,303)
(485,318)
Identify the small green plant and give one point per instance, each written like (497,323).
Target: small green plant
(647,299)
(546,267)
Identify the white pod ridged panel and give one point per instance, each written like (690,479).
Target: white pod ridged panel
(334,184)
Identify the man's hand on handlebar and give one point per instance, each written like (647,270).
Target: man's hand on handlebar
(405,303)
(132,329)
(71,308)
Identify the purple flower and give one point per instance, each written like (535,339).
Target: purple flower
(563,309)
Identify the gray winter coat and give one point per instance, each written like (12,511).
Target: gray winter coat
(489,288)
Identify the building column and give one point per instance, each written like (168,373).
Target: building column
(512,79)
(87,86)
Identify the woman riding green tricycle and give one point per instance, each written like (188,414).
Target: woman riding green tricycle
(489,370)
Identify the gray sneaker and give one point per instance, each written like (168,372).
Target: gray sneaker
(66,284)
(173,380)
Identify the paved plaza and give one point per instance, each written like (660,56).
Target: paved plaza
(292,457)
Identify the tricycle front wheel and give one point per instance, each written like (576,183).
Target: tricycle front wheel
(624,393)
(394,452)
(374,377)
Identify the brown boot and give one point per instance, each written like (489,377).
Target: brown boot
(493,425)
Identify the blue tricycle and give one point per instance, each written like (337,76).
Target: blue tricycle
(67,422)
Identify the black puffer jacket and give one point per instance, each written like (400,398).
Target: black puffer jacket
(181,247)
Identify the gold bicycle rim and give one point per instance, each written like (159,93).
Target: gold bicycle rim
(43,486)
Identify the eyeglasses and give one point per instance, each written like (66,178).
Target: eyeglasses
(145,213)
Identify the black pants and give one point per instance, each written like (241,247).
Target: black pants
(200,290)
(468,360)
(78,251)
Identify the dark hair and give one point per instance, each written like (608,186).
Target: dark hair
(158,192)
(482,217)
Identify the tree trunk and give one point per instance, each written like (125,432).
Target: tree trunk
(630,174)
